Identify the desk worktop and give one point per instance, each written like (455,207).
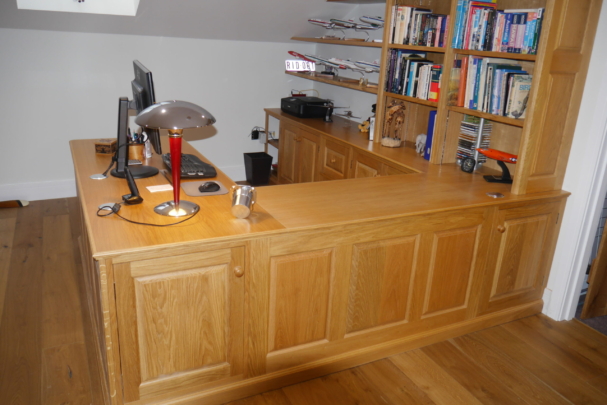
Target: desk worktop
(279,208)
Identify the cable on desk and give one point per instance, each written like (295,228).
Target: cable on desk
(116,207)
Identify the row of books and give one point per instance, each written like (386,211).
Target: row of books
(492,85)
(418,26)
(480,26)
(411,74)
(468,135)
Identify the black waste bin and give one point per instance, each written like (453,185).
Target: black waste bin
(257,166)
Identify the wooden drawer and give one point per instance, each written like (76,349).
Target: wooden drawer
(335,160)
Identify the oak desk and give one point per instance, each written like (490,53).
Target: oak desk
(322,277)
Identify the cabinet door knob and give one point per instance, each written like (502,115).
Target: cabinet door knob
(297,139)
(333,160)
(501,228)
(238,271)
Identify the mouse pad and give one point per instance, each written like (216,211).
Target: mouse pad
(191,188)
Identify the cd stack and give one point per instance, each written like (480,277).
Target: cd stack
(468,134)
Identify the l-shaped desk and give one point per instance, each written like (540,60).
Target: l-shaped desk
(321,277)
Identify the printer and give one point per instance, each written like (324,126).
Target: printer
(307,107)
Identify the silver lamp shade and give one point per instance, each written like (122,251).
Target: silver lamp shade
(174,114)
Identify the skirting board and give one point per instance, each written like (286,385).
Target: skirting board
(44,190)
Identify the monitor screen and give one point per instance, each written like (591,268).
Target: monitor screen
(144,96)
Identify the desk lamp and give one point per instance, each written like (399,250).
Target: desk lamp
(175,116)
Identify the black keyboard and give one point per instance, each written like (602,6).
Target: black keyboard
(191,167)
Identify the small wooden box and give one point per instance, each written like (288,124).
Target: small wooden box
(105,146)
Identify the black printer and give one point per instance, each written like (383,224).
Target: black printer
(307,107)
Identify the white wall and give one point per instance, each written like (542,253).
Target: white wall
(587,181)
(58,86)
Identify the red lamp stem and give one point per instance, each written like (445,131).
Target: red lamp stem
(175,145)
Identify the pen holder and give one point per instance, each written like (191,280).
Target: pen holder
(136,151)
(243,199)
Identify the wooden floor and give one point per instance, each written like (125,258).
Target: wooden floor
(43,356)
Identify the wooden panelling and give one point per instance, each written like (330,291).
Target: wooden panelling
(335,159)
(550,145)
(556,94)
(451,269)
(288,161)
(308,158)
(184,325)
(519,255)
(181,320)
(380,282)
(300,285)
(364,165)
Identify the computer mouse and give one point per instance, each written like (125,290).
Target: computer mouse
(208,187)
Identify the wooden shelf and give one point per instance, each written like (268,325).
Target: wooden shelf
(503,55)
(492,117)
(418,48)
(412,99)
(335,82)
(273,142)
(338,42)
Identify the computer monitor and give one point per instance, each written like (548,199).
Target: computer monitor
(143,97)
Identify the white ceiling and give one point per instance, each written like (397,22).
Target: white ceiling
(249,20)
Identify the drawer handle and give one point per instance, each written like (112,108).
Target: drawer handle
(333,160)
(501,228)
(238,271)
(297,139)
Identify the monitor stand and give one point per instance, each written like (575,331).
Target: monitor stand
(138,172)
(122,153)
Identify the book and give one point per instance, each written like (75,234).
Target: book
(454,82)
(435,76)
(463,77)
(430,134)
(519,94)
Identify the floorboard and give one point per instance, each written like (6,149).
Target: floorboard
(20,353)
(46,357)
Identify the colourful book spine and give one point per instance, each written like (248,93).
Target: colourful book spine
(463,77)
(435,82)
(430,134)
(459,17)
(506,35)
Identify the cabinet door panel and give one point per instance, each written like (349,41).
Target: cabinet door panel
(365,166)
(308,160)
(521,240)
(182,320)
(181,326)
(287,154)
(300,285)
(451,269)
(380,282)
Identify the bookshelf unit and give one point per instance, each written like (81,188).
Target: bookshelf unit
(541,140)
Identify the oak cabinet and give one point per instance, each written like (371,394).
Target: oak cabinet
(342,291)
(180,320)
(520,254)
(298,155)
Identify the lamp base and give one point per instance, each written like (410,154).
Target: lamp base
(168,209)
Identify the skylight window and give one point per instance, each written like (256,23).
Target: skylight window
(113,7)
